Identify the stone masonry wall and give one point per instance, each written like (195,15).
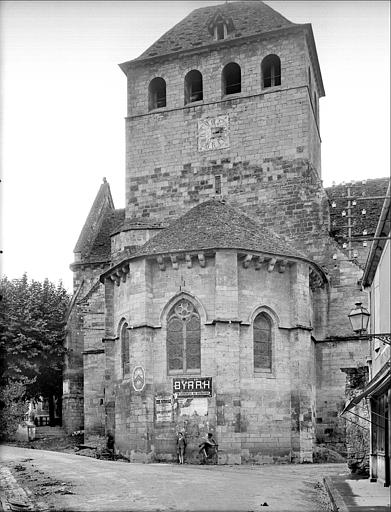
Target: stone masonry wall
(91,307)
(73,373)
(331,357)
(166,174)
(249,413)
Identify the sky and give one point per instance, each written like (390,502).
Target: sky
(63,104)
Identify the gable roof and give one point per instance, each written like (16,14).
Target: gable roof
(194,31)
(216,225)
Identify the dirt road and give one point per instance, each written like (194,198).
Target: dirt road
(69,482)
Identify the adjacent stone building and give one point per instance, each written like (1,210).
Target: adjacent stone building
(216,301)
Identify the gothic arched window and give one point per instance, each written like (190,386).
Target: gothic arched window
(157,93)
(232,79)
(193,86)
(183,338)
(262,330)
(271,71)
(125,356)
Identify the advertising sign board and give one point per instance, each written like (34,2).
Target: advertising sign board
(193,386)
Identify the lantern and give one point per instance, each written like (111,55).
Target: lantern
(359,318)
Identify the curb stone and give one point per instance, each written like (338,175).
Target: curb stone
(336,499)
(15,498)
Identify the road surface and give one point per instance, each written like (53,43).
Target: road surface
(68,482)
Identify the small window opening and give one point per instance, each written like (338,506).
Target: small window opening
(309,78)
(193,86)
(315,106)
(218,184)
(271,71)
(125,356)
(232,79)
(262,332)
(157,93)
(220,30)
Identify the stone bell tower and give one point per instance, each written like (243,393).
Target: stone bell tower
(226,103)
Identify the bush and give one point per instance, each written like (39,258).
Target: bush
(12,408)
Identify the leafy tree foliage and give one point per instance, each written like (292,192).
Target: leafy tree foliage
(13,407)
(32,333)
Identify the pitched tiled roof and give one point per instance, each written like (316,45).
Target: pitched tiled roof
(102,202)
(362,191)
(216,225)
(245,18)
(101,247)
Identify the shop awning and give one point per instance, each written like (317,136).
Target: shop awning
(381,380)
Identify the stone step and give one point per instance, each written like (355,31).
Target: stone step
(41,432)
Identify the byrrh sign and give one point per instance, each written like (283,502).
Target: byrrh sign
(201,386)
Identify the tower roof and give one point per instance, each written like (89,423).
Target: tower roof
(242,18)
(94,241)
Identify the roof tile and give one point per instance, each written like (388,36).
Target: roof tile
(247,18)
(216,225)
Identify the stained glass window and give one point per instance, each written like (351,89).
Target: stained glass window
(183,338)
(262,342)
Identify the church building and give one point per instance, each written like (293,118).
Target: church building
(217,299)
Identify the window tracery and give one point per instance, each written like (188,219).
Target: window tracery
(183,338)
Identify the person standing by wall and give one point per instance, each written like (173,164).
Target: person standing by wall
(181,447)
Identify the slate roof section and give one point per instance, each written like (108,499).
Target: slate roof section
(216,225)
(248,18)
(101,248)
(102,202)
(362,190)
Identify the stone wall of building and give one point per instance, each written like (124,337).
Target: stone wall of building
(257,417)
(357,422)
(93,307)
(166,172)
(331,358)
(85,279)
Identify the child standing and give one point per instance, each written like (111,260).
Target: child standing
(181,447)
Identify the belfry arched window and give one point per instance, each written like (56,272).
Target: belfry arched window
(125,356)
(231,79)
(262,338)
(193,86)
(183,338)
(157,93)
(271,71)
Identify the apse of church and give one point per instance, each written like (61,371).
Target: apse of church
(213,301)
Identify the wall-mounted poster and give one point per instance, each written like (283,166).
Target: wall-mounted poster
(163,409)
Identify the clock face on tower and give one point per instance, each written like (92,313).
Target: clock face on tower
(213,133)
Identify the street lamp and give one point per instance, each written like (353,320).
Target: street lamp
(359,318)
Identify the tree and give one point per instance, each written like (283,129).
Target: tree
(32,334)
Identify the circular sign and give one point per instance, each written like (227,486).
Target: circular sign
(138,378)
